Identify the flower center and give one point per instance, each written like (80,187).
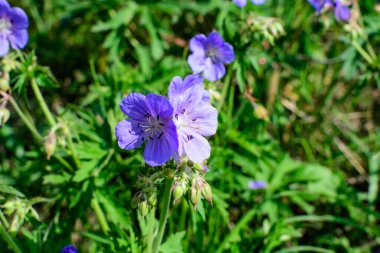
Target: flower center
(153,127)
(213,53)
(5,25)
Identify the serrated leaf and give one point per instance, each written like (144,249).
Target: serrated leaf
(173,243)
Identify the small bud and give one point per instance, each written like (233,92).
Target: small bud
(152,199)
(4,85)
(190,163)
(207,192)
(195,194)
(50,144)
(4,116)
(135,201)
(261,113)
(177,194)
(143,208)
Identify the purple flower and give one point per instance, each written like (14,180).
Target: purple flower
(242,3)
(341,11)
(209,55)
(150,121)
(254,185)
(13,25)
(69,249)
(193,116)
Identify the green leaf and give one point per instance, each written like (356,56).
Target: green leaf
(173,243)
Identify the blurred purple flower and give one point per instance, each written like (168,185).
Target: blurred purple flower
(254,185)
(150,121)
(242,3)
(13,25)
(209,54)
(193,116)
(69,249)
(341,10)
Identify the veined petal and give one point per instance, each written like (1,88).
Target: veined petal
(170,133)
(226,53)
(196,62)
(4,46)
(128,135)
(187,100)
(177,86)
(157,152)
(196,147)
(214,39)
(204,120)
(18,18)
(134,106)
(18,39)
(198,44)
(213,71)
(158,106)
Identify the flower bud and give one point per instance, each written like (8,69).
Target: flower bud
(143,208)
(4,85)
(261,113)
(177,194)
(207,192)
(195,194)
(4,116)
(152,199)
(135,201)
(50,144)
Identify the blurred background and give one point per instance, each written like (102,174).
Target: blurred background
(299,109)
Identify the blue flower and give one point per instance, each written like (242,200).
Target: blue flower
(13,25)
(150,121)
(209,54)
(193,116)
(255,185)
(242,3)
(341,10)
(69,249)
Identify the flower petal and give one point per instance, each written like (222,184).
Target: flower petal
(204,120)
(258,2)
(213,71)
(177,86)
(196,62)
(342,12)
(187,100)
(198,44)
(134,106)
(4,7)
(214,39)
(4,46)
(240,3)
(18,18)
(158,106)
(128,135)
(196,147)
(157,152)
(226,53)
(170,133)
(18,39)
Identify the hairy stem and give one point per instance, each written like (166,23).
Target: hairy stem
(149,242)
(42,103)
(163,215)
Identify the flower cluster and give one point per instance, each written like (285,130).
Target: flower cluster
(242,3)
(170,128)
(13,25)
(341,10)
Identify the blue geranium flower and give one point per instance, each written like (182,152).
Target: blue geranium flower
(69,249)
(255,185)
(242,3)
(193,116)
(150,120)
(341,10)
(209,54)
(13,25)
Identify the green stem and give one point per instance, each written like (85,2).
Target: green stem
(25,119)
(100,215)
(9,240)
(163,215)
(225,89)
(151,220)
(364,53)
(42,103)
(73,152)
